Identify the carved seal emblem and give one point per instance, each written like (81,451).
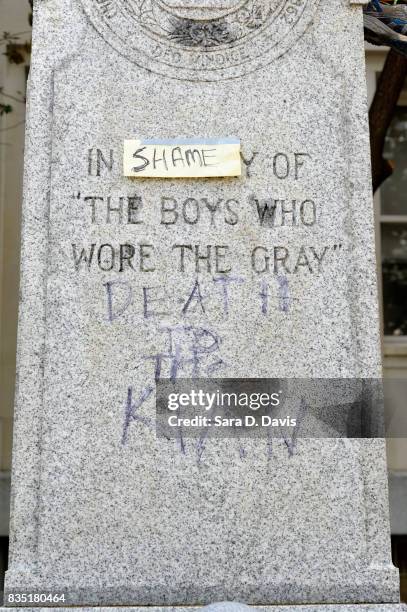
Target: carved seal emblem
(201,39)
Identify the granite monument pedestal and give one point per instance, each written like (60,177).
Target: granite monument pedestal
(129,280)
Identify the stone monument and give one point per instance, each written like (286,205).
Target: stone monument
(129,278)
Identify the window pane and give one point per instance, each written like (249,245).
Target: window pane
(394,267)
(394,190)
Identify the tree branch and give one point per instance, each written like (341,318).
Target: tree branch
(389,87)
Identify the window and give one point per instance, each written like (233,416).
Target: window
(393,220)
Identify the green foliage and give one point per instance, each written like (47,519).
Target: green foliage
(17,50)
(5,109)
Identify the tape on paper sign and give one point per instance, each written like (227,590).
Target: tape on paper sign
(179,158)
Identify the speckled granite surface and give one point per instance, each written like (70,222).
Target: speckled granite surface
(101,508)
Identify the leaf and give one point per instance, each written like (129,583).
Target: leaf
(13,53)
(5,109)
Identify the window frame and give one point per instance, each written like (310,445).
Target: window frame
(375,58)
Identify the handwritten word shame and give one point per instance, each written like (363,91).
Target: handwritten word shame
(161,158)
(182,158)
(139,155)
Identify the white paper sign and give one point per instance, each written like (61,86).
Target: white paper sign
(182,158)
